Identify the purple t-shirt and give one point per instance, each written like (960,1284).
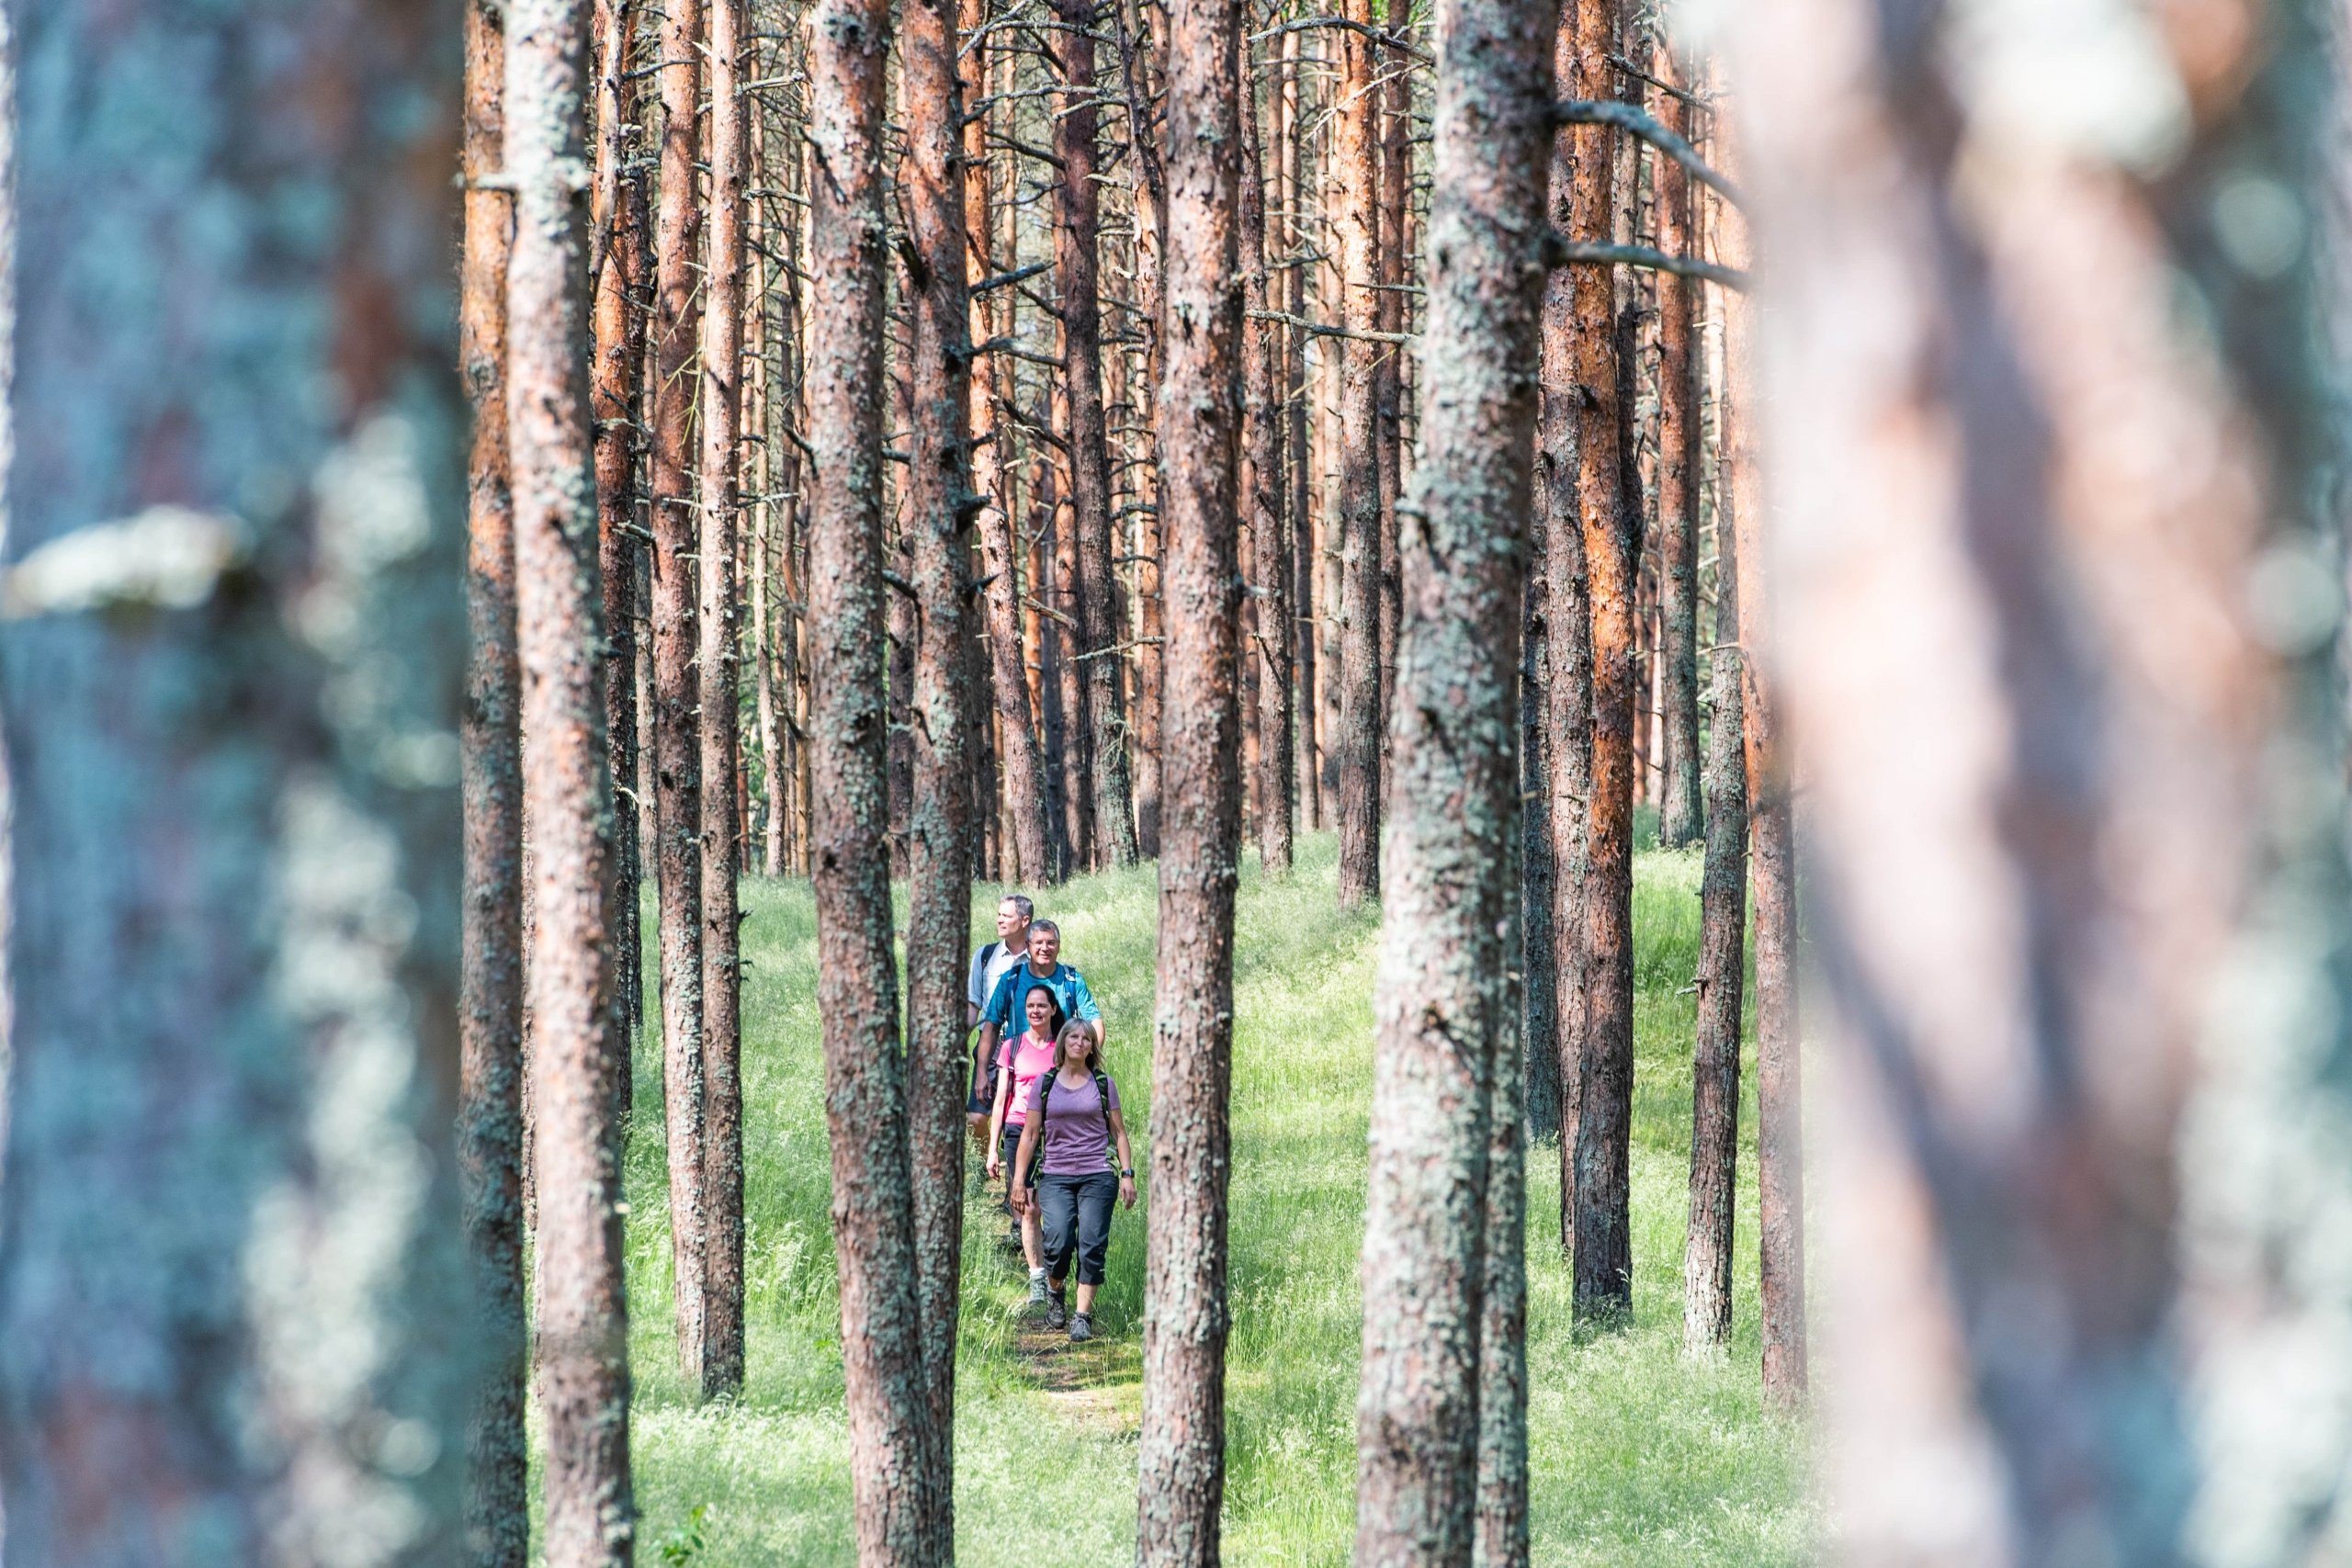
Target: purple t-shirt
(1078,1140)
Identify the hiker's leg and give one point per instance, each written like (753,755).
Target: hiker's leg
(1095,1197)
(1057,1197)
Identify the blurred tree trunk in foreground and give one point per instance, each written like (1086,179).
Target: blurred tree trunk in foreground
(2036,391)
(232,659)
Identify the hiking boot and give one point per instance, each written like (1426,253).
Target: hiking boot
(1056,1314)
(1038,1294)
(1081,1328)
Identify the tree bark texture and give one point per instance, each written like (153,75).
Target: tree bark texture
(1298,502)
(674,625)
(1102,715)
(1681,814)
(2035,480)
(718,701)
(941,829)
(1723,975)
(582,1329)
(1356,151)
(1394,97)
(1604,1262)
(1262,490)
(489,979)
(1539,958)
(1500,1539)
(865,1084)
(1182,1449)
(1443,1002)
(1567,620)
(238,502)
(1780,1143)
(620,279)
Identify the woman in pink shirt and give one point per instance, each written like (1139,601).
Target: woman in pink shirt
(1020,1063)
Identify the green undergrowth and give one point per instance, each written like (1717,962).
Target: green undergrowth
(1638,1455)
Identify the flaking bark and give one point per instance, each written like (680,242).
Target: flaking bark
(583,1339)
(1445,1002)
(865,1082)
(1182,1449)
(490,1109)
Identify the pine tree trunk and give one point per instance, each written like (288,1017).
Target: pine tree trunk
(620,278)
(939,505)
(237,500)
(1356,149)
(1723,932)
(583,1339)
(1432,1400)
(1502,1538)
(717,719)
(1393,99)
(1568,622)
(1262,489)
(677,741)
(1182,1448)
(491,1139)
(1538,939)
(1100,715)
(1604,1263)
(1299,629)
(489,979)
(1682,818)
(857,992)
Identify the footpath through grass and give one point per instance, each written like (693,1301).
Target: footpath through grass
(1639,1456)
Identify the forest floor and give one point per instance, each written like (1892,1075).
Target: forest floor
(1638,1455)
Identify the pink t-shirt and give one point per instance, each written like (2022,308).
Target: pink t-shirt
(1028,1058)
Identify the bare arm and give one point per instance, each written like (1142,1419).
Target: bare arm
(1021,1160)
(1126,1158)
(996,1117)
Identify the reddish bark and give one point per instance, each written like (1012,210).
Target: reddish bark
(1605,1074)
(1356,151)
(939,505)
(582,1329)
(677,742)
(865,1084)
(1261,492)
(1182,1455)
(489,979)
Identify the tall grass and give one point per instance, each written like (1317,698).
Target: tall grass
(1639,1456)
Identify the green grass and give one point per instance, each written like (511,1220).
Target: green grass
(1639,1456)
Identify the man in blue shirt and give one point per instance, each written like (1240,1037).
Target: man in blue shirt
(1005,1009)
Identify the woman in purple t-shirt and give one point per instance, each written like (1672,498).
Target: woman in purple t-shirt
(1066,1151)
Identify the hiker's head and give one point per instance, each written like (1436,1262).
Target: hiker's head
(1012,912)
(1045,943)
(1045,1012)
(1075,1044)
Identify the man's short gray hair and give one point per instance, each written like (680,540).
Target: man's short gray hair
(1021,902)
(1044,926)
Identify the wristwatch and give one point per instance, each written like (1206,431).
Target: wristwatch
(1129,1173)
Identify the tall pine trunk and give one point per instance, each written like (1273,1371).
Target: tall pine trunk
(1261,492)
(717,717)
(237,504)
(1567,624)
(1682,816)
(1723,975)
(677,742)
(942,832)
(1356,149)
(1182,1454)
(583,1330)
(1440,1418)
(1538,942)
(1604,1261)
(857,990)
(489,979)
(1100,715)
(620,273)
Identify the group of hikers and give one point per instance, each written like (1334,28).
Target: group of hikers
(1048,1110)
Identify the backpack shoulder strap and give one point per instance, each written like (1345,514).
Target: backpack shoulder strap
(987,953)
(1102,1098)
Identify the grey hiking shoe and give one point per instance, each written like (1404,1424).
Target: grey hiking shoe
(1038,1295)
(1081,1328)
(1057,1312)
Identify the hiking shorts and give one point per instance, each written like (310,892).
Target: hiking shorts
(1009,1146)
(1075,1214)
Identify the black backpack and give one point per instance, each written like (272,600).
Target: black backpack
(1045,1098)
